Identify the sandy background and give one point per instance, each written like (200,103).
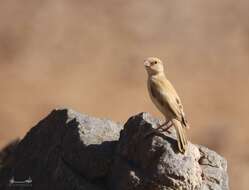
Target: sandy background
(88,55)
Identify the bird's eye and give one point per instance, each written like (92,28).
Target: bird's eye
(155,62)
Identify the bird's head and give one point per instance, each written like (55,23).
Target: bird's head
(153,66)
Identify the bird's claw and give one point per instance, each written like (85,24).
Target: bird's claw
(159,130)
(153,131)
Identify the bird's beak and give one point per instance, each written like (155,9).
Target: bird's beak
(146,63)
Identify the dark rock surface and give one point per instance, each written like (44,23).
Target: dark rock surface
(67,150)
(153,163)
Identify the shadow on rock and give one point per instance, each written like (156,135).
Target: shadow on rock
(68,150)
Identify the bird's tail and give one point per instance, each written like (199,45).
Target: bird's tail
(181,137)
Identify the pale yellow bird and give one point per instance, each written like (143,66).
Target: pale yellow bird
(166,99)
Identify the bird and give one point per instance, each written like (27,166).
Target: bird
(166,99)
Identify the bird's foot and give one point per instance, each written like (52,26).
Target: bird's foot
(152,132)
(167,128)
(160,127)
(159,130)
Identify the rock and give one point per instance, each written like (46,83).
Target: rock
(6,154)
(68,150)
(154,163)
(214,170)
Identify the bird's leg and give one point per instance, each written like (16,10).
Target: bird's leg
(160,127)
(168,127)
(168,124)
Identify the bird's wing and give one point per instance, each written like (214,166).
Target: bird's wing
(166,95)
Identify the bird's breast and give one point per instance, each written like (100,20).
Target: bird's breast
(162,108)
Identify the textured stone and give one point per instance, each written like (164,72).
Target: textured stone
(214,170)
(154,163)
(68,150)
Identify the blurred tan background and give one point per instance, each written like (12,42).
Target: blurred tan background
(88,55)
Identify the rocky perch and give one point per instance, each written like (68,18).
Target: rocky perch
(68,150)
